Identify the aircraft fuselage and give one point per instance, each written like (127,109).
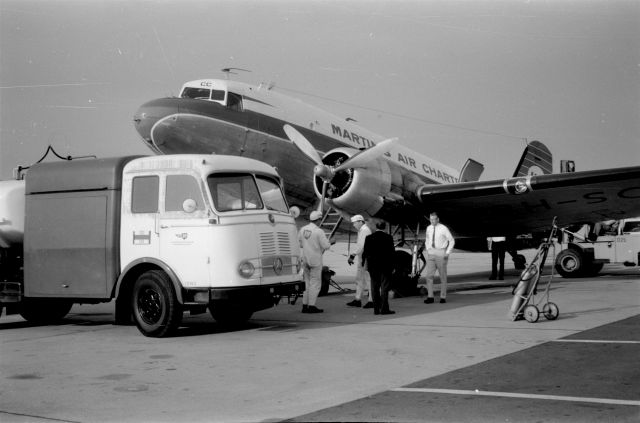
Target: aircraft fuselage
(248,121)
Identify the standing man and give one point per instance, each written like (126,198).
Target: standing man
(439,244)
(378,255)
(363,280)
(497,245)
(314,243)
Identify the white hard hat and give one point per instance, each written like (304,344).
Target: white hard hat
(315,215)
(357,218)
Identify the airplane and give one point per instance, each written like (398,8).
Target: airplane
(321,156)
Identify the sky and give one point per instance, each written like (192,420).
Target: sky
(451,79)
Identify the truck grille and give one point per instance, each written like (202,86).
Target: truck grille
(272,243)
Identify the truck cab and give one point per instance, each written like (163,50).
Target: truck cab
(587,248)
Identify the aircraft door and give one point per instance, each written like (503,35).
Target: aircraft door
(185,233)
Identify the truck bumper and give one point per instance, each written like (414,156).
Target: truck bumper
(258,297)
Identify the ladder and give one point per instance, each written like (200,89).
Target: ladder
(330,222)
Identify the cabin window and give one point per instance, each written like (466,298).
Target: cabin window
(196,93)
(179,189)
(232,192)
(271,194)
(144,194)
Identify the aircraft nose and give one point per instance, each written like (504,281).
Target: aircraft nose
(147,115)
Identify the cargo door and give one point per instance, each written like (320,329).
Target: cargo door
(68,244)
(185,232)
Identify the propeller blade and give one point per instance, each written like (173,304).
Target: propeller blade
(365,157)
(324,192)
(303,144)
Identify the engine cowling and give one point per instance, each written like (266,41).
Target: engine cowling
(359,190)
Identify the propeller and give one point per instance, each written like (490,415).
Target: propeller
(326,172)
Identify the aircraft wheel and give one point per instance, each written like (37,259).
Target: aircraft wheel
(569,263)
(531,313)
(550,311)
(156,310)
(402,284)
(519,262)
(44,310)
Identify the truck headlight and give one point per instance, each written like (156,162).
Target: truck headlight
(246,269)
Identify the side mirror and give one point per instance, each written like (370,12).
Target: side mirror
(189,205)
(295,211)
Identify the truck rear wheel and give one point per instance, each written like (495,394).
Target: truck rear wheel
(44,310)
(156,310)
(570,263)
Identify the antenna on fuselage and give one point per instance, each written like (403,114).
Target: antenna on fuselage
(228,71)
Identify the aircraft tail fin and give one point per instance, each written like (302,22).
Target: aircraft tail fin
(536,160)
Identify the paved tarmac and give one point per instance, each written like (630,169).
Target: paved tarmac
(424,363)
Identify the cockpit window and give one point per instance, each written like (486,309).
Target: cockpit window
(217,95)
(197,93)
(233,191)
(235,102)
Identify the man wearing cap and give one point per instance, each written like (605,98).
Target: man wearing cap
(363,280)
(314,243)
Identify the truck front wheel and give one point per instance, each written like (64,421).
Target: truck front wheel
(44,310)
(156,310)
(570,263)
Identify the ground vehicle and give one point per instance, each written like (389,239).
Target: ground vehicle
(161,235)
(589,247)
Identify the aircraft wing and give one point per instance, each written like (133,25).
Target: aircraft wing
(529,203)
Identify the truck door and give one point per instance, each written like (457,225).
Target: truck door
(185,232)
(628,242)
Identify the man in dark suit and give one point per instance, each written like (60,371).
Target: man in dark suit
(377,256)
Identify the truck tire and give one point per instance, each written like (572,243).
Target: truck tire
(570,263)
(156,310)
(229,315)
(44,310)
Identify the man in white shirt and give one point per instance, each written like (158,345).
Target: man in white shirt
(439,244)
(363,279)
(497,245)
(314,243)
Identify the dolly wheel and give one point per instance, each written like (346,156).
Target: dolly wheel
(550,311)
(531,313)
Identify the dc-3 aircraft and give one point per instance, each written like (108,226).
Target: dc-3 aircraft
(355,171)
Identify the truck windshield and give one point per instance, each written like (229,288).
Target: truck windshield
(234,191)
(271,194)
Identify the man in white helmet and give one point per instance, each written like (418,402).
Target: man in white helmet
(314,243)
(363,280)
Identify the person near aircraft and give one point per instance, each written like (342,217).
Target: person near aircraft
(497,246)
(439,242)
(363,280)
(314,243)
(377,255)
